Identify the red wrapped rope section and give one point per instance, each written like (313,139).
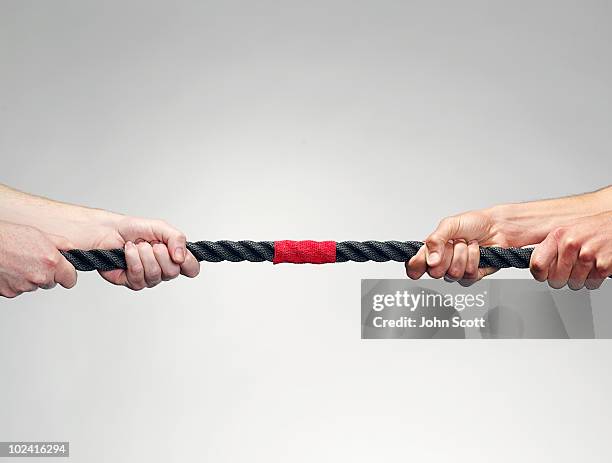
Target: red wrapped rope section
(304,252)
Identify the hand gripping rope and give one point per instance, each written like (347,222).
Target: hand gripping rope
(298,252)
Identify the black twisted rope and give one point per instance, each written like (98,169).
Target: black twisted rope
(402,251)
(260,251)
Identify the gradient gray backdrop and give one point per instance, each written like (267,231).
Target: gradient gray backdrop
(291,120)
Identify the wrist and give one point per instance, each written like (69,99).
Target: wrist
(85,227)
(101,218)
(521,224)
(529,223)
(95,226)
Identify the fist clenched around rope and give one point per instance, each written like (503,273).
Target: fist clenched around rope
(30,260)
(154,252)
(578,254)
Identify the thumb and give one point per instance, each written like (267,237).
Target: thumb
(175,241)
(65,274)
(436,242)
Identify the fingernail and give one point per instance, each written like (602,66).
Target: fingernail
(179,254)
(433,258)
(128,244)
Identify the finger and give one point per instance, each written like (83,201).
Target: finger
(191,267)
(580,271)
(603,264)
(152,270)
(50,283)
(480,274)
(486,271)
(116,277)
(174,239)
(561,268)
(417,265)
(459,261)
(23,286)
(7,291)
(436,242)
(169,269)
(440,270)
(471,267)
(543,257)
(134,274)
(65,274)
(594,279)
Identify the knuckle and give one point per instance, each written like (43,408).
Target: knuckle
(537,265)
(174,272)
(586,255)
(455,272)
(136,269)
(570,243)
(431,239)
(435,273)
(602,266)
(159,249)
(559,233)
(136,280)
(471,268)
(38,279)
(50,259)
(9,293)
(155,274)
(23,287)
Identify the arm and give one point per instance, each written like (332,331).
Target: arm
(529,223)
(452,250)
(155,251)
(83,225)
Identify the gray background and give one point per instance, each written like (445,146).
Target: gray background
(289,120)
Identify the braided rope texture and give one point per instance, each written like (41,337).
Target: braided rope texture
(263,251)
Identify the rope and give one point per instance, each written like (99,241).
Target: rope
(298,252)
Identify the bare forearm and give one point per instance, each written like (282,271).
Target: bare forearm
(529,223)
(71,221)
